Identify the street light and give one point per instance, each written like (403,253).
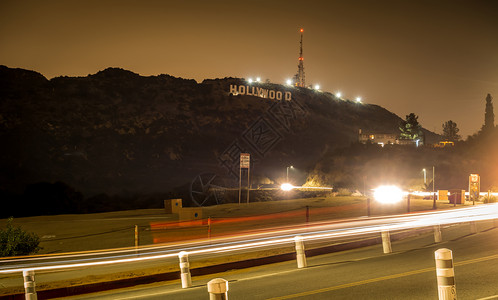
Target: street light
(288,172)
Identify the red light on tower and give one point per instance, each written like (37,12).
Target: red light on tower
(302,30)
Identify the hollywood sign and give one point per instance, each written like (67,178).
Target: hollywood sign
(259,92)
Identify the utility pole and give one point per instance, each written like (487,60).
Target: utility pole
(434,206)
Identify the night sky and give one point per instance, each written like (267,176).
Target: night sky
(437,59)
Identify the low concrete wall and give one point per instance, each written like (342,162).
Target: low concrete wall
(172,206)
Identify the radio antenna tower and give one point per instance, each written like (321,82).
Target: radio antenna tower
(299,77)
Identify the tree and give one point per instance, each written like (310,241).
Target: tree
(14,241)
(489,115)
(410,128)
(450,131)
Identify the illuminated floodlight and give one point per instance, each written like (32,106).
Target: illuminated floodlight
(388,194)
(250,80)
(358,99)
(338,94)
(289,82)
(317,87)
(258,79)
(286,187)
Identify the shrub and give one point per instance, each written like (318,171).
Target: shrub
(14,241)
(343,192)
(490,199)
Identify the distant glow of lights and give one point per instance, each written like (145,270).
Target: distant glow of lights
(286,187)
(358,99)
(258,79)
(388,194)
(338,94)
(317,87)
(250,80)
(289,82)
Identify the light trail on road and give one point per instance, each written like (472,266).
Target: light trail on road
(274,238)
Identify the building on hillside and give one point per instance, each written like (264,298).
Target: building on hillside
(378,138)
(386,139)
(443,144)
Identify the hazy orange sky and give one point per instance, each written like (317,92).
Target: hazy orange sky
(437,59)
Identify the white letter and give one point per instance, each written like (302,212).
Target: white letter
(259,91)
(279,95)
(242,90)
(288,96)
(264,93)
(271,94)
(233,89)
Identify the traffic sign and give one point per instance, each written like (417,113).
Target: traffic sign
(245,159)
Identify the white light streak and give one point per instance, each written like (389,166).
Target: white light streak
(276,238)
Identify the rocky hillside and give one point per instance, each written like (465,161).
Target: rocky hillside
(117,132)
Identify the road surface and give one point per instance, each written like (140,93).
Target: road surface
(367,273)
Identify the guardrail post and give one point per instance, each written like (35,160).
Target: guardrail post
(437,234)
(136,236)
(185,269)
(29,284)
(473,227)
(368,207)
(386,241)
(300,254)
(445,274)
(209,227)
(408,202)
(218,289)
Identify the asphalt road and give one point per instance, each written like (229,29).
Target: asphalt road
(367,273)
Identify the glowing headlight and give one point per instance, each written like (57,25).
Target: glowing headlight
(388,194)
(286,187)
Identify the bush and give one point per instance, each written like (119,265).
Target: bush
(14,241)
(490,199)
(343,192)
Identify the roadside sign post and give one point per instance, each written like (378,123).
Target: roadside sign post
(185,276)
(474,187)
(300,253)
(445,274)
(29,284)
(218,289)
(386,241)
(245,163)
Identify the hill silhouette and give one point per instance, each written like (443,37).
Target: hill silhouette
(118,133)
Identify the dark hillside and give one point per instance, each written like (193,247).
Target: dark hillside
(119,133)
